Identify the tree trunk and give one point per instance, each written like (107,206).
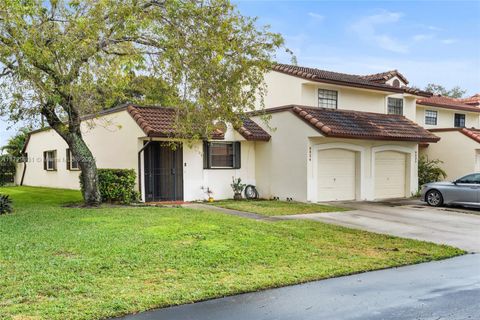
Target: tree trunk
(89,176)
(72,135)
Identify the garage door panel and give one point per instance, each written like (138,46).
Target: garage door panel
(336,172)
(390,172)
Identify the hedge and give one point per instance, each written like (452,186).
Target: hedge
(117,185)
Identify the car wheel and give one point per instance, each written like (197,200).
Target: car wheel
(434,198)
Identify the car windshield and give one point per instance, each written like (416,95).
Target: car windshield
(471,178)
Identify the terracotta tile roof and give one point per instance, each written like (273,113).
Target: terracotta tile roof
(473,100)
(363,125)
(472,133)
(447,103)
(252,131)
(159,122)
(382,77)
(351,80)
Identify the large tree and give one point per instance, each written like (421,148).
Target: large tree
(65,58)
(455,92)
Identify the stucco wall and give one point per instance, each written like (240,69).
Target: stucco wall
(284,166)
(283,89)
(35,175)
(218,180)
(113,140)
(446,117)
(458,152)
(281,164)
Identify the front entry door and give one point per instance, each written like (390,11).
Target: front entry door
(163,172)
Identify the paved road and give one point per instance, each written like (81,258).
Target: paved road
(448,289)
(444,226)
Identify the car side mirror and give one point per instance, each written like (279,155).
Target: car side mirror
(455,181)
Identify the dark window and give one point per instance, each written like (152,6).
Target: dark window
(221,155)
(50,160)
(327,98)
(395,106)
(431,117)
(459,120)
(471,178)
(72,163)
(396,83)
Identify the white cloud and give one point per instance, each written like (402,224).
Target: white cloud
(317,17)
(366,29)
(433,28)
(422,37)
(448,41)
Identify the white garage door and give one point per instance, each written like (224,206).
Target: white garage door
(390,168)
(336,175)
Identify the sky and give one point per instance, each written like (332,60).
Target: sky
(427,41)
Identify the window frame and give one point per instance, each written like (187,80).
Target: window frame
(70,161)
(430,117)
(207,156)
(455,120)
(327,99)
(402,106)
(46,160)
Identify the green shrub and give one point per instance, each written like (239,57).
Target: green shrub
(5,204)
(429,171)
(117,185)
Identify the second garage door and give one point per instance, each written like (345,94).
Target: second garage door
(336,175)
(390,169)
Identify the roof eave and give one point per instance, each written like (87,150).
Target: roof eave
(459,108)
(343,83)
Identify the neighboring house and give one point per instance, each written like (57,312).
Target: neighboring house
(456,123)
(473,100)
(331,136)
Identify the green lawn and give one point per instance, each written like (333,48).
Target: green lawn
(276,208)
(74,263)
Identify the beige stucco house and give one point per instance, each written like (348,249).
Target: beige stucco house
(456,123)
(130,137)
(331,136)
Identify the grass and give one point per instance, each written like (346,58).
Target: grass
(77,263)
(276,208)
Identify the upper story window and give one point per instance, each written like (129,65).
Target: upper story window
(50,160)
(72,163)
(327,98)
(221,155)
(459,120)
(395,106)
(431,117)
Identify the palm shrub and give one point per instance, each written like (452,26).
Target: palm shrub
(5,204)
(429,171)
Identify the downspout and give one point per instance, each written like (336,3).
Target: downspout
(24,170)
(140,165)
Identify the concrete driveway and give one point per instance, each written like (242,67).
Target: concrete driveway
(409,219)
